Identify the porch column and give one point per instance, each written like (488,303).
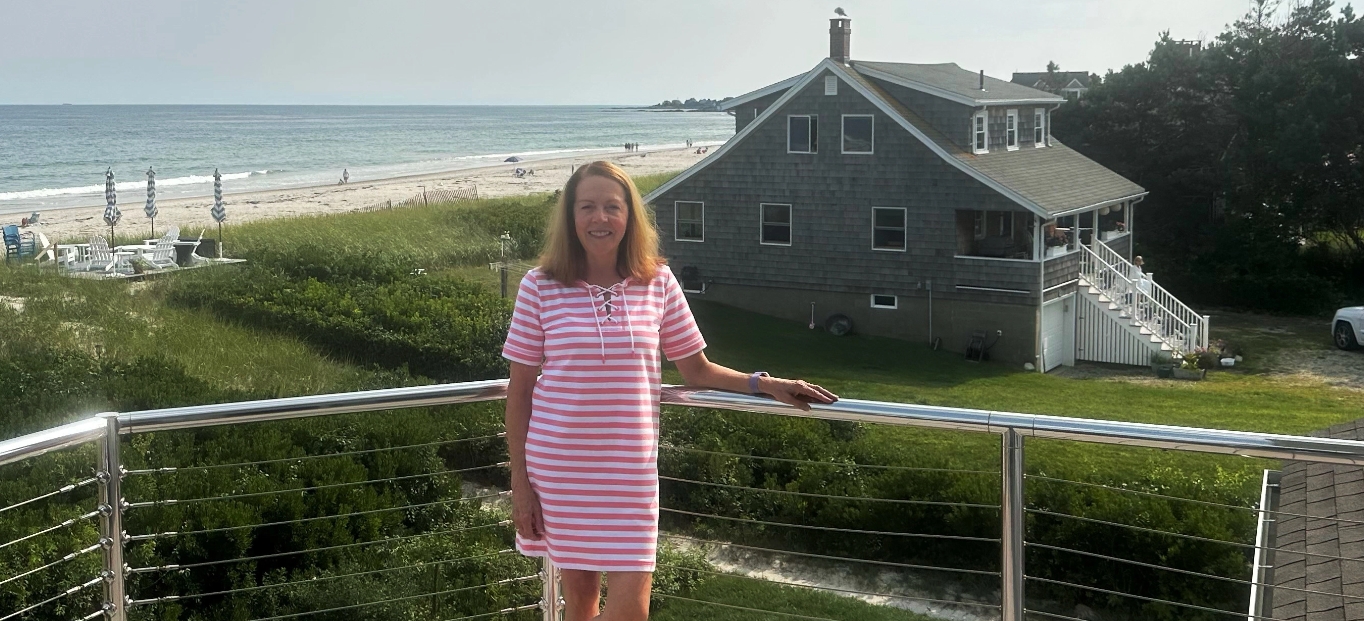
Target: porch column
(1094,234)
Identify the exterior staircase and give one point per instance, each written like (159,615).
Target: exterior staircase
(1124,316)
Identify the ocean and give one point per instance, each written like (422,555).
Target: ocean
(55,156)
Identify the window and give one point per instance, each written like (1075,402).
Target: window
(884,301)
(1006,223)
(978,225)
(830,85)
(858,133)
(994,235)
(1011,131)
(776,224)
(981,132)
(888,228)
(802,134)
(1039,127)
(689,223)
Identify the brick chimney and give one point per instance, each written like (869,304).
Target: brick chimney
(840,39)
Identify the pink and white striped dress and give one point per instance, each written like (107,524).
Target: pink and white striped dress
(592,446)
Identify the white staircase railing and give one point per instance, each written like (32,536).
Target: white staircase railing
(1139,298)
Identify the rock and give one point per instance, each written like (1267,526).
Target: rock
(1028,366)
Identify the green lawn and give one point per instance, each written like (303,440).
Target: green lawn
(736,598)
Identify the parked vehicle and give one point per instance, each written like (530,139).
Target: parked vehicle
(1347,329)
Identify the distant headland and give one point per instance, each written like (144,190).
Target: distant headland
(690,105)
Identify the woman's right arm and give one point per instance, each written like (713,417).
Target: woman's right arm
(525,505)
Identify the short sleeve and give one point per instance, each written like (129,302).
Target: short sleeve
(525,339)
(678,335)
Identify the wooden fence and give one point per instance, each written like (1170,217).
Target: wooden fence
(429,197)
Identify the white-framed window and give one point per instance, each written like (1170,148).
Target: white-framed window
(859,134)
(1011,131)
(802,133)
(888,230)
(1039,127)
(881,300)
(830,85)
(776,224)
(980,133)
(689,221)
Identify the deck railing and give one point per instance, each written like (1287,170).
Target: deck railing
(494,581)
(1143,300)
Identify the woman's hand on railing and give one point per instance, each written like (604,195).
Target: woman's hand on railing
(526,515)
(796,393)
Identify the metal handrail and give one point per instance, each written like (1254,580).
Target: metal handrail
(1012,427)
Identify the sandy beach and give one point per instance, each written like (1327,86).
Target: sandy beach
(192,214)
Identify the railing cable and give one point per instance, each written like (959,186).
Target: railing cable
(1191,573)
(313,519)
(71,591)
(504,611)
(396,599)
(260,587)
(63,490)
(282,460)
(1200,502)
(94,615)
(141,570)
(833,529)
(815,587)
(1153,600)
(59,561)
(1027,611)
(161,503)
(45,531)
(934,503)
(687,449)
(829,557)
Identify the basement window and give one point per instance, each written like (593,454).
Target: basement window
(859,134)
(776,224)
(802,134)
(884,301)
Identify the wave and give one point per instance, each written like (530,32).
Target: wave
(126,186)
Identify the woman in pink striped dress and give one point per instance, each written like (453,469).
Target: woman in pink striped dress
(582,404)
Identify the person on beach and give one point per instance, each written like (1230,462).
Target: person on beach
(345,176)
(583,400)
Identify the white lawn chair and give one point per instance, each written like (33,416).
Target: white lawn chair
(103,259)
(162,255)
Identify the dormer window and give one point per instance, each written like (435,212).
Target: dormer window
(980,133)
(1011,131)
(802,134)
(1039,127)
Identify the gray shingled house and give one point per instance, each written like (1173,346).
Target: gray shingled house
(1068,84)
(922,202)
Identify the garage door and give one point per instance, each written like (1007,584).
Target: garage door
(1058,332)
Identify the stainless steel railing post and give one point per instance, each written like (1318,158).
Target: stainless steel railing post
(1011,533)
(551,598)
(112,536)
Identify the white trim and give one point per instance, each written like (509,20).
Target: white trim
(967,256)
(843,134)
(980,128)
(1039,113)
(1106,203)
(677,211)
(790,224)
(759,94)
(1011,118)
(946,94)
(894,301)
(812,142)
(829,65)
(994,289)
(904,218)
(1055,287)
(830,85)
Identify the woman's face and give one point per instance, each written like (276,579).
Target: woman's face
(600,215)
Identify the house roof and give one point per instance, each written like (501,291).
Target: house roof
(778,87)
(952,82)
(1336,495)
(1044,79)
(1050,182)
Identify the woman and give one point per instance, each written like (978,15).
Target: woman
(582,404)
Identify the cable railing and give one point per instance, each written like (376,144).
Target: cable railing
(420,528)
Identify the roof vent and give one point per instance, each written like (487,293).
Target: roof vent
(840,40)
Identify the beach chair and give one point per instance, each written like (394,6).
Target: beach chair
(104,259)
(162,255)
(11,235)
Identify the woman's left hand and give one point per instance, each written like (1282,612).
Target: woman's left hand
(797,393)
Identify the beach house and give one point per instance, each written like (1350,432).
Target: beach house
(924,202)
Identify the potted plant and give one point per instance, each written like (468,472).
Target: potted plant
(1162,364)
(1189,368)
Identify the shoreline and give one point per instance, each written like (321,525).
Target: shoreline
(491,181)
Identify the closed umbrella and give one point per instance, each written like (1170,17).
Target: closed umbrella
(111,213)
(219,212)
(150,209)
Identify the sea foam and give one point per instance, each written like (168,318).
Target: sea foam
(125,186)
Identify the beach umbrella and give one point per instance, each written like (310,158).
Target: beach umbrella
(219,212)
(512,159)
(150,209)
(111,213)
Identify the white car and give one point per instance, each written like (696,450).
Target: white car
(1347,329)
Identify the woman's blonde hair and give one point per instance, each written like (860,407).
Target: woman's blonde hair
(637,257)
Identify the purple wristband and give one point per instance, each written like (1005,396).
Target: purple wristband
(753,381)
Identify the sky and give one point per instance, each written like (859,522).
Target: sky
(538,51)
